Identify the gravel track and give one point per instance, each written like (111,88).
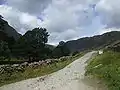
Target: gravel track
(69,78)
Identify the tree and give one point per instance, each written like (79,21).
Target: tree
(61,50)
(6,43)
(37,36)
(32,43)
(4,50)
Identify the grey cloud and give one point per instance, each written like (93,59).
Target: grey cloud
(34,7)
(59,18)
(64,17)
(65,35)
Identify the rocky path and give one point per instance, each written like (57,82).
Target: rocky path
(69,78)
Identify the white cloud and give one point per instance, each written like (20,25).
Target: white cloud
(64,19)
(108,30)
(62,16)
(109,11)
(19,20)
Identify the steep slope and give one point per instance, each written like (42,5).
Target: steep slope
(10,31)
(94,42)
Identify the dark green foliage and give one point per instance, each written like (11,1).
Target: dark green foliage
(4,50)
(3,36)
(32,45)
(37,36)
(6,43)
(61,50)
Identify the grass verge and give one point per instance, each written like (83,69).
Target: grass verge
(36,72)
(106,67)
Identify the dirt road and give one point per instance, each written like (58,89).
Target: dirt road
(69,78)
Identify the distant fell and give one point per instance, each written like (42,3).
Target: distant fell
(95,42)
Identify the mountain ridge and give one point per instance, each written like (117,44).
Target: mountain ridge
(94,42)
(9,30)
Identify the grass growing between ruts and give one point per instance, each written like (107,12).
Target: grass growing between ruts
(36,72)
(107,68)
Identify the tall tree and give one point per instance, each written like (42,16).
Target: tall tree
(33,43)
(4,50)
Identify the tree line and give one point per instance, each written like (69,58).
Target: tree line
(31,46)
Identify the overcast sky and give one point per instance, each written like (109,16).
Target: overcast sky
(64,19)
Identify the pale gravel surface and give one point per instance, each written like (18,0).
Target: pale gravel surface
(69,78)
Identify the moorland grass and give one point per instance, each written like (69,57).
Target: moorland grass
(107,68)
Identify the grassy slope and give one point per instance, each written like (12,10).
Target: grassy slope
(35,72)
(106,67)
